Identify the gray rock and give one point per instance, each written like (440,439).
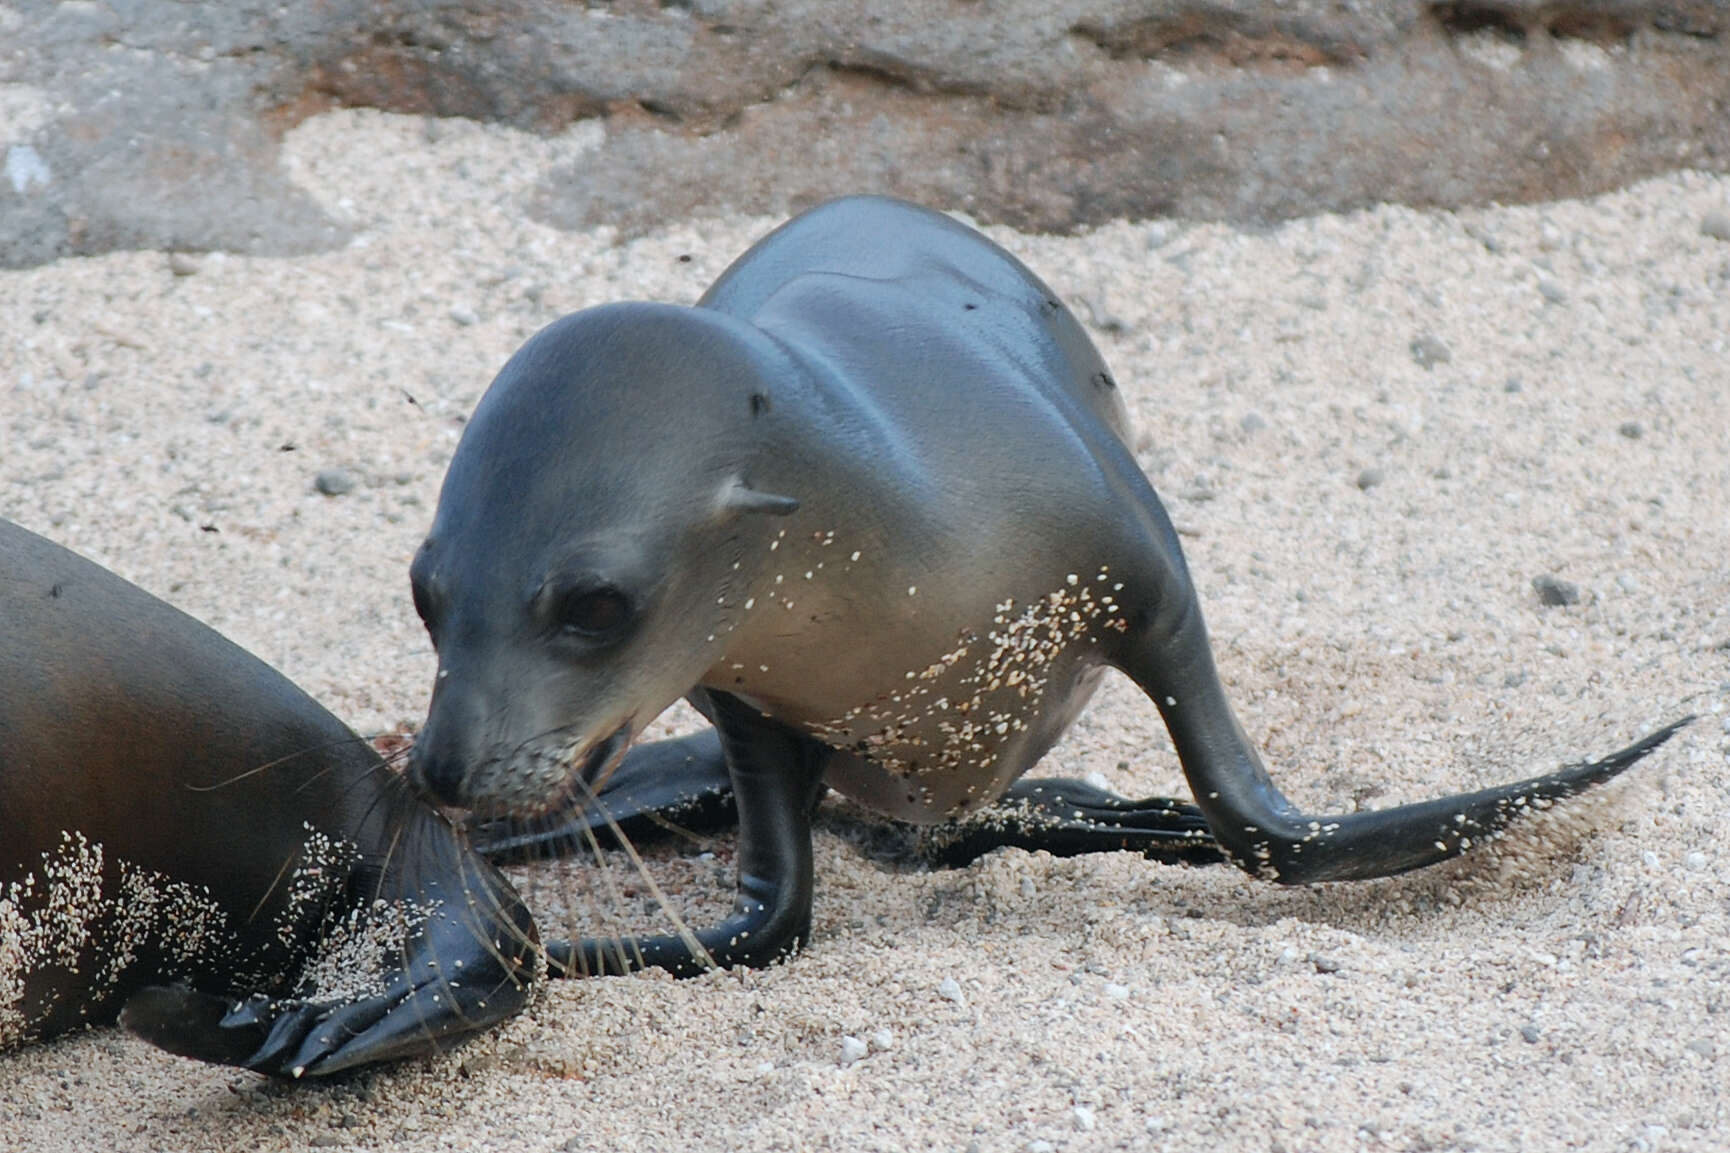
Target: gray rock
(1716,225)
(1554,591)
(162,119)
(1428,350)
(333,482)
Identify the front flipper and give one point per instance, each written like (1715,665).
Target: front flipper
(1269,836)
(777,778)
(1068,818)
(677,785)
(468,966)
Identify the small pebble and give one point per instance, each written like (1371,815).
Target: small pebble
(1716,225)
(1649,859)
(852,1050)
(1554,591)
(1369,478)
(1513,384)
(1084,1119)
(333,482)
(465,316)
(1028,888)
(1116,992)
(1549,236)
(1552,292)
(183,263)
(1428,350)
(1324,964)
(883,1040)
(1632,429)
(1252,422)
(950,990)
(1099,310)
(1704,1047)
(1530,1034)
(1038,1146)
(1695,860)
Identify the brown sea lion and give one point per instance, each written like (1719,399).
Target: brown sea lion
(191,842)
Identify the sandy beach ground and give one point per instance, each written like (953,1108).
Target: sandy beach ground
(1373,431)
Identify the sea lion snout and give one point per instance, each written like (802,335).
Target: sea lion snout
(438,762)
(437,776)
(497,741)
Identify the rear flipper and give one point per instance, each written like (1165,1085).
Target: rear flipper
(672,786)
(1268,836)
(1379,844)
(1068,818)
(469,965)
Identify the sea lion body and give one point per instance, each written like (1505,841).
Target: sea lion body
(985,641)
(870,504)
(173,812)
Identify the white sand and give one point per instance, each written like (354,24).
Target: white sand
(1382,645)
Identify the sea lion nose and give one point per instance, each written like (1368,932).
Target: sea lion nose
(438,763)
(436,775)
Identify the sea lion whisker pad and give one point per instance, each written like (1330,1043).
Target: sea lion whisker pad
(870,507)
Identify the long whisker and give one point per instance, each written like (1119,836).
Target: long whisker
(268,765)
(680,928)
(274,882)
(618,942)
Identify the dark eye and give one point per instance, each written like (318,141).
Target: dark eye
(594,613)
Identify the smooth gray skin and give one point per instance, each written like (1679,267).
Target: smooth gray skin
(183,831)
(972,544)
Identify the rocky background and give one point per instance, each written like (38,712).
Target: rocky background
(157,124)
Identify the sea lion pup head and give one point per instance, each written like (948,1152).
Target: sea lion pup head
(579,575)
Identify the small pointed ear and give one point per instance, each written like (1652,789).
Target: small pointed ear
(737,497)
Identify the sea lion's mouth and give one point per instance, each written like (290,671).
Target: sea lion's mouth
(598,764)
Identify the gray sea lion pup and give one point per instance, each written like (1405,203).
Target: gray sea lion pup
(869,504)
(189,840)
